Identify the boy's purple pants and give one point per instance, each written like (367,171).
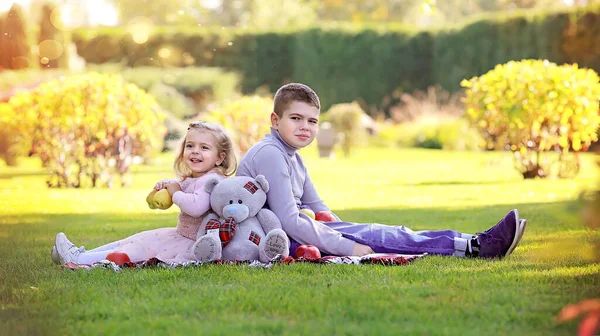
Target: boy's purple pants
(400,239)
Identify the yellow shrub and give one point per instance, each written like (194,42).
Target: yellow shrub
(74,124)
(13,143)
(534,106)
(348,119)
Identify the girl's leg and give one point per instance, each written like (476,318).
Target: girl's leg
(88,258)
(109,246)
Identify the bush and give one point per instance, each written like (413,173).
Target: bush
(203,85)
(433,102)
(348,120)
(246,119)
(533,106)
(12,145)
(75,123)
(433,132)
(338,62)
(172,101)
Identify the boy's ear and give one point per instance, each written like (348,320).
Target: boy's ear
(210,184)
(274,120)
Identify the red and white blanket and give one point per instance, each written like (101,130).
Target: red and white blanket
(377,258)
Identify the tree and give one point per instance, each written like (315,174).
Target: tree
(16,46)
(3,63)
(53,42)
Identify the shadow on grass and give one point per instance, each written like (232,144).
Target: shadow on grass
(543,217)
(444,183)
(96,229)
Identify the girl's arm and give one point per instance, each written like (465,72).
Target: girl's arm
(197,201)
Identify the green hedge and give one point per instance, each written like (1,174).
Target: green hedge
(367,64)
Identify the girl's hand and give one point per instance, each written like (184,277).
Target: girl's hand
(361,250)
(173,187)
(162,184)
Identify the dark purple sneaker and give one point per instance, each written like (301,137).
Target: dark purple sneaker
(501,239)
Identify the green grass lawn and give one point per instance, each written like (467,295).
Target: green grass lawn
(418,188)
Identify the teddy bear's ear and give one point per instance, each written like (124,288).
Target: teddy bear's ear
(264,184)
(210,184)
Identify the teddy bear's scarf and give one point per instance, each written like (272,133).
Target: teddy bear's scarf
(226,229)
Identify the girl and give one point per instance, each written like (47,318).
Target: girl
(206,151)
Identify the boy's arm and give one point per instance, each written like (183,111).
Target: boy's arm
(195,203)
(270,162)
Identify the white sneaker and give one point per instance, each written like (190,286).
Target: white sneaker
(56,258)
(54,255)
(67,251)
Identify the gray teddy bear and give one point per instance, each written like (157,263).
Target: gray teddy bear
(240,228)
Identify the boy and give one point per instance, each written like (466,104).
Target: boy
(294,123)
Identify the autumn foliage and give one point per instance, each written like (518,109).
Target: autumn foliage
(74,125)
(533,106)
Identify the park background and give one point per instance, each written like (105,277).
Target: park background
(435,114)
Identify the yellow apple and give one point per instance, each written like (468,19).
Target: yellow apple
(150,199)
(308,212)
(162,199)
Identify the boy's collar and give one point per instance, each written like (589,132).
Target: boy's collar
(288,149)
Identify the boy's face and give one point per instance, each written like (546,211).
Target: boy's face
(298,125)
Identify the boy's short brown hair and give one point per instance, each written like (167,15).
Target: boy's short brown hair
(292,92)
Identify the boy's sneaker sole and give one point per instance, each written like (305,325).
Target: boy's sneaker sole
(518,233)
(522,227)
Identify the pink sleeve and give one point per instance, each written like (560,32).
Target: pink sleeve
(197,202)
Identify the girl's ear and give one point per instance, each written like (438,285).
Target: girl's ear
(211,183)
(221,158)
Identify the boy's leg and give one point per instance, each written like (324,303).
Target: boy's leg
(498,241)
(400,239)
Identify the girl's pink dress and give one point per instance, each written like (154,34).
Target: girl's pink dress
(174,244)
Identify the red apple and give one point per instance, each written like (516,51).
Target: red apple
(325,216)
(118,258)
(308,252)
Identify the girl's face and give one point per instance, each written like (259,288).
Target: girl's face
(298,125)
(200,152)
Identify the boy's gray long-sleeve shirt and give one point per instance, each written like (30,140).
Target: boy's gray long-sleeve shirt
(289,188)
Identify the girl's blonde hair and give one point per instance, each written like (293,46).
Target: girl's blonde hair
(224,145)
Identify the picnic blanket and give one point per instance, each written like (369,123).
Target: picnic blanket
(376,258)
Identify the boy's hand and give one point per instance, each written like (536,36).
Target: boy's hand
(173,187)
(361,250)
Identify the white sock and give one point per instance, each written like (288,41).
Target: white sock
(109,246)
(89,257)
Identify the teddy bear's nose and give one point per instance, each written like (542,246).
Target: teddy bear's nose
(239,212)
